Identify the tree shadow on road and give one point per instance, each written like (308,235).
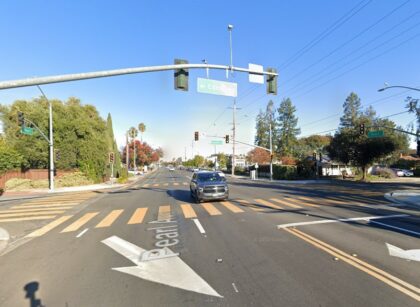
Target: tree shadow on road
(30,289)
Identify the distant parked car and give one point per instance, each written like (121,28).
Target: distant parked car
(404,173)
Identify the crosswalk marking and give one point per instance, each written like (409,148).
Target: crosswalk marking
(156,185)
(249,204)
(306,201)
(80,222)
(164,213)
(289,204)
(6,215)
(188,211)
(231,207)
(185,183)
(212,210)
(34,210)
(137,216)
(27,218)
(145,185)
(42,206)
(109,219)
(176,183)
(43,230)
(166,184)
(268,204)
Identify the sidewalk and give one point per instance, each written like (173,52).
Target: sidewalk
(405,197)
(34,193)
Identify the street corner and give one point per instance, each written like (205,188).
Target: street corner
(4,239)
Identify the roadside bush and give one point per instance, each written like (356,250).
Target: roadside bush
(281,172)
(73,179)
(306,169)
(123,176)
(417,172)
(385,173)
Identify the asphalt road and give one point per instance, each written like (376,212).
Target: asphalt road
(152,245)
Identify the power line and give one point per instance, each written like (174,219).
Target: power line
(361,64)
(350,40)
(337,24)
(319,75)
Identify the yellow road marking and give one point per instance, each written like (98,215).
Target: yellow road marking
(188,211)
(176,183)
(43,206)
(34,210)
(137,216)
(185,183)
(285,203)
(231,207)
(166,184)
(267,203)
(164,213)
(212,210)
(6,215)
(306,201)
(379,274)
(156,185)
(80,222)
(43,230)
(109,219)
(49,203)
(249,204)
(28,218)
(145,185)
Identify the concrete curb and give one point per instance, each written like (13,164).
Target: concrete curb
(392,197)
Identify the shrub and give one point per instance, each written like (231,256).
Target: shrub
(385,173)
(281,172)
(73,179)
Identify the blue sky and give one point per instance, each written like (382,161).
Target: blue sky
(380,43)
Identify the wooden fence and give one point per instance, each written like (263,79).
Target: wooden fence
(33,174)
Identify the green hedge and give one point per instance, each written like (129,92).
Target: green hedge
(285,172)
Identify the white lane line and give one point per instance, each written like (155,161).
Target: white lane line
(364,218)
(234,287)
(82,233)
(398,228)
(199,226)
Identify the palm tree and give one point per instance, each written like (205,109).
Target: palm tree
(142,128)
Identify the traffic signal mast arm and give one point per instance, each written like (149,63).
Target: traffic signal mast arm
(124,71)
(395,129)
(236,141)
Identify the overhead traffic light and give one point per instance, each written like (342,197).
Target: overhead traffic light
(227,138)
(21,119)
(362,129)
(196,136)
(181,76)
(111,158)
(271,82)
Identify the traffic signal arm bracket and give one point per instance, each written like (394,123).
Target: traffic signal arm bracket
(39,130)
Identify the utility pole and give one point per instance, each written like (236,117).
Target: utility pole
(230,28)
(271,152)
(127,152)
(185,153)
(50,142)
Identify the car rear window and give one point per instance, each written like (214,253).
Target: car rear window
(205,177)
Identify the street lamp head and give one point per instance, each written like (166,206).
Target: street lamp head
(382,89)
(230,27)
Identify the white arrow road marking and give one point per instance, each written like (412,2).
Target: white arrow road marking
(159,265)
(410,254)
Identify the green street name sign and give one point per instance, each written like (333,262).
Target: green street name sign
(27,130)
(215,87)
(216,142)
(375,134)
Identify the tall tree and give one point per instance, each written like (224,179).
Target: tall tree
(263,121)
(112,146)
(287,131)
(142,128)
(351,108)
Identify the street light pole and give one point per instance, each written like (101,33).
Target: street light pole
(50,142)
(271,154)
(127,152)
(230,28)
(399,86)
